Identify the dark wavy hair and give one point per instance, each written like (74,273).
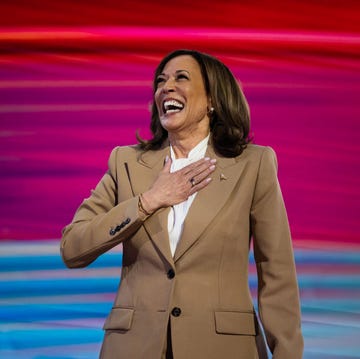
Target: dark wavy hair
(230,119)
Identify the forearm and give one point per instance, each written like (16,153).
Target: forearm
(89,235)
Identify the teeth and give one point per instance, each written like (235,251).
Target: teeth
(173,106)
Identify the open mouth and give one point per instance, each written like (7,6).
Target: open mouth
(172,106)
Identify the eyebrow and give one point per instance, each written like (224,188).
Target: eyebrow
(176,72)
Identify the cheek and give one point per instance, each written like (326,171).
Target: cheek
(198,106)
(157,101)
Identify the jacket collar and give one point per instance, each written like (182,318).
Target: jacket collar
(155,159)
(206,205)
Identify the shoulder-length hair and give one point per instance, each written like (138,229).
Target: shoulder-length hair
(229,118)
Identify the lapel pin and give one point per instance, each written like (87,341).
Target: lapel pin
(222,177)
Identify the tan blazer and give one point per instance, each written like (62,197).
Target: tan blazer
(203,290)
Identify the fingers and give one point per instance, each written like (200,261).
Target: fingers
(171,188)
(198,166)
(201,180)
(200,185)
(198,174)
(199,171)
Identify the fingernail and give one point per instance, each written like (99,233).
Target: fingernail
(213,160)
(207,158)
(166,158)
(208,179)
(212,167)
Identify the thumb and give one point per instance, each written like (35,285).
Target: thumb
(167,164)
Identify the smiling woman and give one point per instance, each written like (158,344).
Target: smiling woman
(182,103)
(184,205)
(218,106)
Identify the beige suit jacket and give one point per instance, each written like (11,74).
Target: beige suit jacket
(203,290)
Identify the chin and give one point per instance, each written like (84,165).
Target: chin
(169,123)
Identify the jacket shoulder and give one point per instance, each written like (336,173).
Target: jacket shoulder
(125,153)
(257,151)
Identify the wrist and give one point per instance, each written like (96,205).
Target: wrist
(141,207)
(148,203)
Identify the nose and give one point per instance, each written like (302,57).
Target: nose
(169,85)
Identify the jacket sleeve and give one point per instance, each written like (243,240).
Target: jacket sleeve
(100,223)
(278,294)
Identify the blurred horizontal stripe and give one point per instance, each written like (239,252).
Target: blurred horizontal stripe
(47,308)
(25,84)
(22,262)
(68,108)
(214,39)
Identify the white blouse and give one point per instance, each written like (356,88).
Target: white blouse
(179,211)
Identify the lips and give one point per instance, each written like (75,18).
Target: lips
(172,106)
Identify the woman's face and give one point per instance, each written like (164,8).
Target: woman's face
(181,98)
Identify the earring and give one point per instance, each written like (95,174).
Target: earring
(211,110)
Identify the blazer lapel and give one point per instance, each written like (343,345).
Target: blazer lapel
(209,201)
(142,175)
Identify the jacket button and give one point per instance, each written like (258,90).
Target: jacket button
(112,231)
(176,312)
(171,274)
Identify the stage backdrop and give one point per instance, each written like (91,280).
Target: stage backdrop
(75,81)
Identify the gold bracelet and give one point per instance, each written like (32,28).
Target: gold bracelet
(141,207)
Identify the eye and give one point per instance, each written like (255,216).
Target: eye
(182,77)
(159,80)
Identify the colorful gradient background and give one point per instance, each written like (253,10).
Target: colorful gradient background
(75,81)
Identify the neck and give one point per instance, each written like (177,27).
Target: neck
(182,146)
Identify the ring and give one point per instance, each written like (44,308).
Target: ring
(192,181)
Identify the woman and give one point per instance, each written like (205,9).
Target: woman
(184,205)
